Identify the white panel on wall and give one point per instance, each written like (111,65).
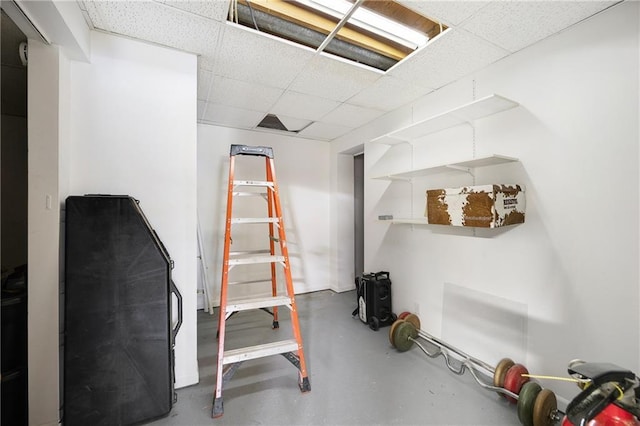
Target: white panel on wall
(133,132)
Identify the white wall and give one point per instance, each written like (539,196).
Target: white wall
(302,173)
(133,131)
(565,284)
(47,77)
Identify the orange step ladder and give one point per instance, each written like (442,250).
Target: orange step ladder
(291,349)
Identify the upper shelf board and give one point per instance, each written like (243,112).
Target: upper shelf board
(467,113)
(466,166)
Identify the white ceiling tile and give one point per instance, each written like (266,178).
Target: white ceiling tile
(242,94)
(259,58)
(450,56)
(351,115)
(324,131)
(389,93)
(156,22)
(231,116)
(214,9)
(515,25)
(303,106)
(202,106)
(94,14)
(447,12)
(204,83)
(333,78)
(294,124)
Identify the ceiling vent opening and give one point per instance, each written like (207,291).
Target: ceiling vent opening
(271,121)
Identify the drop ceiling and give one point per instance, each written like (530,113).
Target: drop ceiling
(243,74)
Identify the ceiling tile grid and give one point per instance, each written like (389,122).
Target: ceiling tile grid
(450,56)
(353,116)
(230,116)
(213,9)
(156,22)
(205,78)
(389,93)
(243,94)
(258,58)
(244,74)
(450,13)
(333,78)
(324,131)
(300,105)
(516,25)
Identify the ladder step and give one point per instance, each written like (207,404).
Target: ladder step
(255,259)
(255,220)
(259,351)
(252,183)
(257,303)
(249,194)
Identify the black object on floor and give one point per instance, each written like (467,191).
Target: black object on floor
(374,300)
(118,354)
(13,349)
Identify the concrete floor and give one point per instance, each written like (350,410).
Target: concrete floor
(356,377)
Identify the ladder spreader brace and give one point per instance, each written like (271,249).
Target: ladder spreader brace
(292,349)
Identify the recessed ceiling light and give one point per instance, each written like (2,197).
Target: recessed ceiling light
(377,33)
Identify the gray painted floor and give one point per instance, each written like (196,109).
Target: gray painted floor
(356,377)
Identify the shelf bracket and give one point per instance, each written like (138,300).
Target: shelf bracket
(460,168)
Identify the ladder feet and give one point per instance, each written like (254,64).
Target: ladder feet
(217,409)
(305,386)
(275,325)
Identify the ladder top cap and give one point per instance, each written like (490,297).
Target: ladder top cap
(260,151)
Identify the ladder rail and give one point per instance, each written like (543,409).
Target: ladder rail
(224,282)
(292,349)
(284,251)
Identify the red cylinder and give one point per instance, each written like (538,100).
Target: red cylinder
(612,415)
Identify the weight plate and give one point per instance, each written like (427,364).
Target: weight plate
(514,380)
(501,370)
(413,319)
(526,400)
(545,408)
(392,330)
(403,315)
(403,334)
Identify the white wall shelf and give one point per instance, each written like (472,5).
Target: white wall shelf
(467,113)
(410,221)
(464,166)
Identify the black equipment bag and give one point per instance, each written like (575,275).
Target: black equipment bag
(119,341)
(373,293)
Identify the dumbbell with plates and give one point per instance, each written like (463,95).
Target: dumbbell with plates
(404,330)
(537,406)
(510,376)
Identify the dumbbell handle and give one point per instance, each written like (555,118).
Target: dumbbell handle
(457,351)
(467,364)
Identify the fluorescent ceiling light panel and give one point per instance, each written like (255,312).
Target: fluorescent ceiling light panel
(370,21)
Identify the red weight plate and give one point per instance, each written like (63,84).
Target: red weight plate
(403,315)
(413,319)
(514,380)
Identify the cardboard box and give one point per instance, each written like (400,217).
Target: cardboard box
(484,206)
